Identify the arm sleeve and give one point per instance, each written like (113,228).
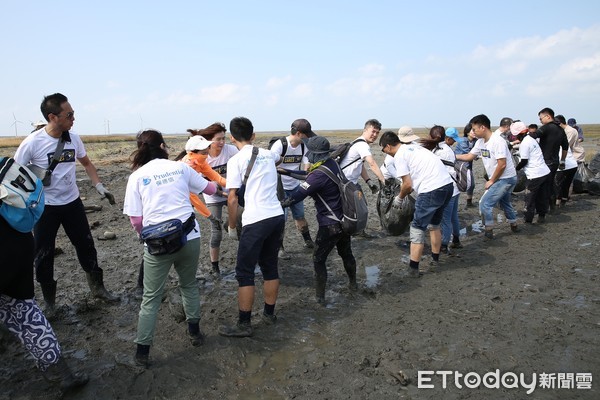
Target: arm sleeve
(137,223)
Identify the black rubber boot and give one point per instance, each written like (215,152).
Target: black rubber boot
(350,268)
(60,374)
(49,293)
(320,283)
(96,283)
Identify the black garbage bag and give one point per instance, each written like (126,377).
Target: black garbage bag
(581,179)
(594,165)
(395,221)
(593,185)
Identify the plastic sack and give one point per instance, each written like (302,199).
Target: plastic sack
(395,221)
(581,179)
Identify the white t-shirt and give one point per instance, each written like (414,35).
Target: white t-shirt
(261,188)
(446,153)
(490,152)
(570,161)
(219,164)
(426,170)
(160,190)
(292,160)
(536,166)
(38,148)
(388,170)
(358,151)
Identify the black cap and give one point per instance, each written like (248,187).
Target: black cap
(506,121)
(303,126)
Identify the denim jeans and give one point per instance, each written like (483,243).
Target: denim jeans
(498,194)
(298,208)
(450,224)
(429,207)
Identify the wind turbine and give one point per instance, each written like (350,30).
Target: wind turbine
(15,124)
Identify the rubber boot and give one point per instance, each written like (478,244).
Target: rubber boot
(49,293)
(60,374)
(320,283)
(350,268)
(96,283)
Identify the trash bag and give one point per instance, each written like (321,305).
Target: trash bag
(581,179)
(521,177)
(593,185)
(395,221)
(594,165)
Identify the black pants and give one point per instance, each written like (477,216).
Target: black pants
(16,263)
(328,237)
(552,193)
(563,182)
(74,221)
(536,197)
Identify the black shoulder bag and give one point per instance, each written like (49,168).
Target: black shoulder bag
(242,190)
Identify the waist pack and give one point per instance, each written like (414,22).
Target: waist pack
(21,195)
(167,237)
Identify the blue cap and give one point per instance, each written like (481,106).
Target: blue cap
(452,133)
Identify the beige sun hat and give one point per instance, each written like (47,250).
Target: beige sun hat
(406,135)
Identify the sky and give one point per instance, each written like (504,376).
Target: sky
(131,65)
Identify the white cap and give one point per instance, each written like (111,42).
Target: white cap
(197,142)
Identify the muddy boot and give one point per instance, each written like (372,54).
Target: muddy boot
(320,283)
(60,374)
(96,283)
(351,272)
(49,293)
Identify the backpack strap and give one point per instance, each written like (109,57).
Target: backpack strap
(284,146)
(336,179)
(352,144)
(57,154)
(250,164)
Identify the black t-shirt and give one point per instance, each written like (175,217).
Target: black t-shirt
(552,138)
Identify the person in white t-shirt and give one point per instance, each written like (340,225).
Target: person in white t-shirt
(63,204)
(450,224)
(292,151)
(499,166)
(262,225)
(575,156)
(219,153)
(421,171)
(537,172)
(157,191)
(360,151)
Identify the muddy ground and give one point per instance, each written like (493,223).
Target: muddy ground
(524,303)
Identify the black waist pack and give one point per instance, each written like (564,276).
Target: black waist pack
(167,237)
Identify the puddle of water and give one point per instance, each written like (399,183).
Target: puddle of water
(577,301)
(477,226)
(372,273)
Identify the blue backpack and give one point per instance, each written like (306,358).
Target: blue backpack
(21,195)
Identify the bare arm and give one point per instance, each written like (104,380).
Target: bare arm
(466,157)
(232,208)
(406,187)
(90,169)
(374,167)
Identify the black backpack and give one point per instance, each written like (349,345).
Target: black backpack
(354,205)
(340,151)
(463,174)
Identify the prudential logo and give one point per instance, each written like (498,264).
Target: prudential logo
(509,380)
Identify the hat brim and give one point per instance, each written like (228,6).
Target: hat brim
(456,139)
(309,134)
(409,138)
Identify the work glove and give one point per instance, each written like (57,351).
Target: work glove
(561,165)
(105,193)
(373,186)
(232,232)
(397,202)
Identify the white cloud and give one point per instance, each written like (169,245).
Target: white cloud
(302,90)
(227,93)
(278,82)
(371,69)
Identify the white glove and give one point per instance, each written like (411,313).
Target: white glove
(105,193)
(232,232)
(397,203)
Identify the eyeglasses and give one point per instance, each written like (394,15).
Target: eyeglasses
(70,114)
(384,147)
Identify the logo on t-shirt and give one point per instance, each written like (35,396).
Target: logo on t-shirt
(68,155)
(146,181)
(295,159)
(220,169)
(485,153)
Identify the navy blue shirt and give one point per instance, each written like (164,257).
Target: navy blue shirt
(318,184)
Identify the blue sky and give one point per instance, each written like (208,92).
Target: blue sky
(175,65)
